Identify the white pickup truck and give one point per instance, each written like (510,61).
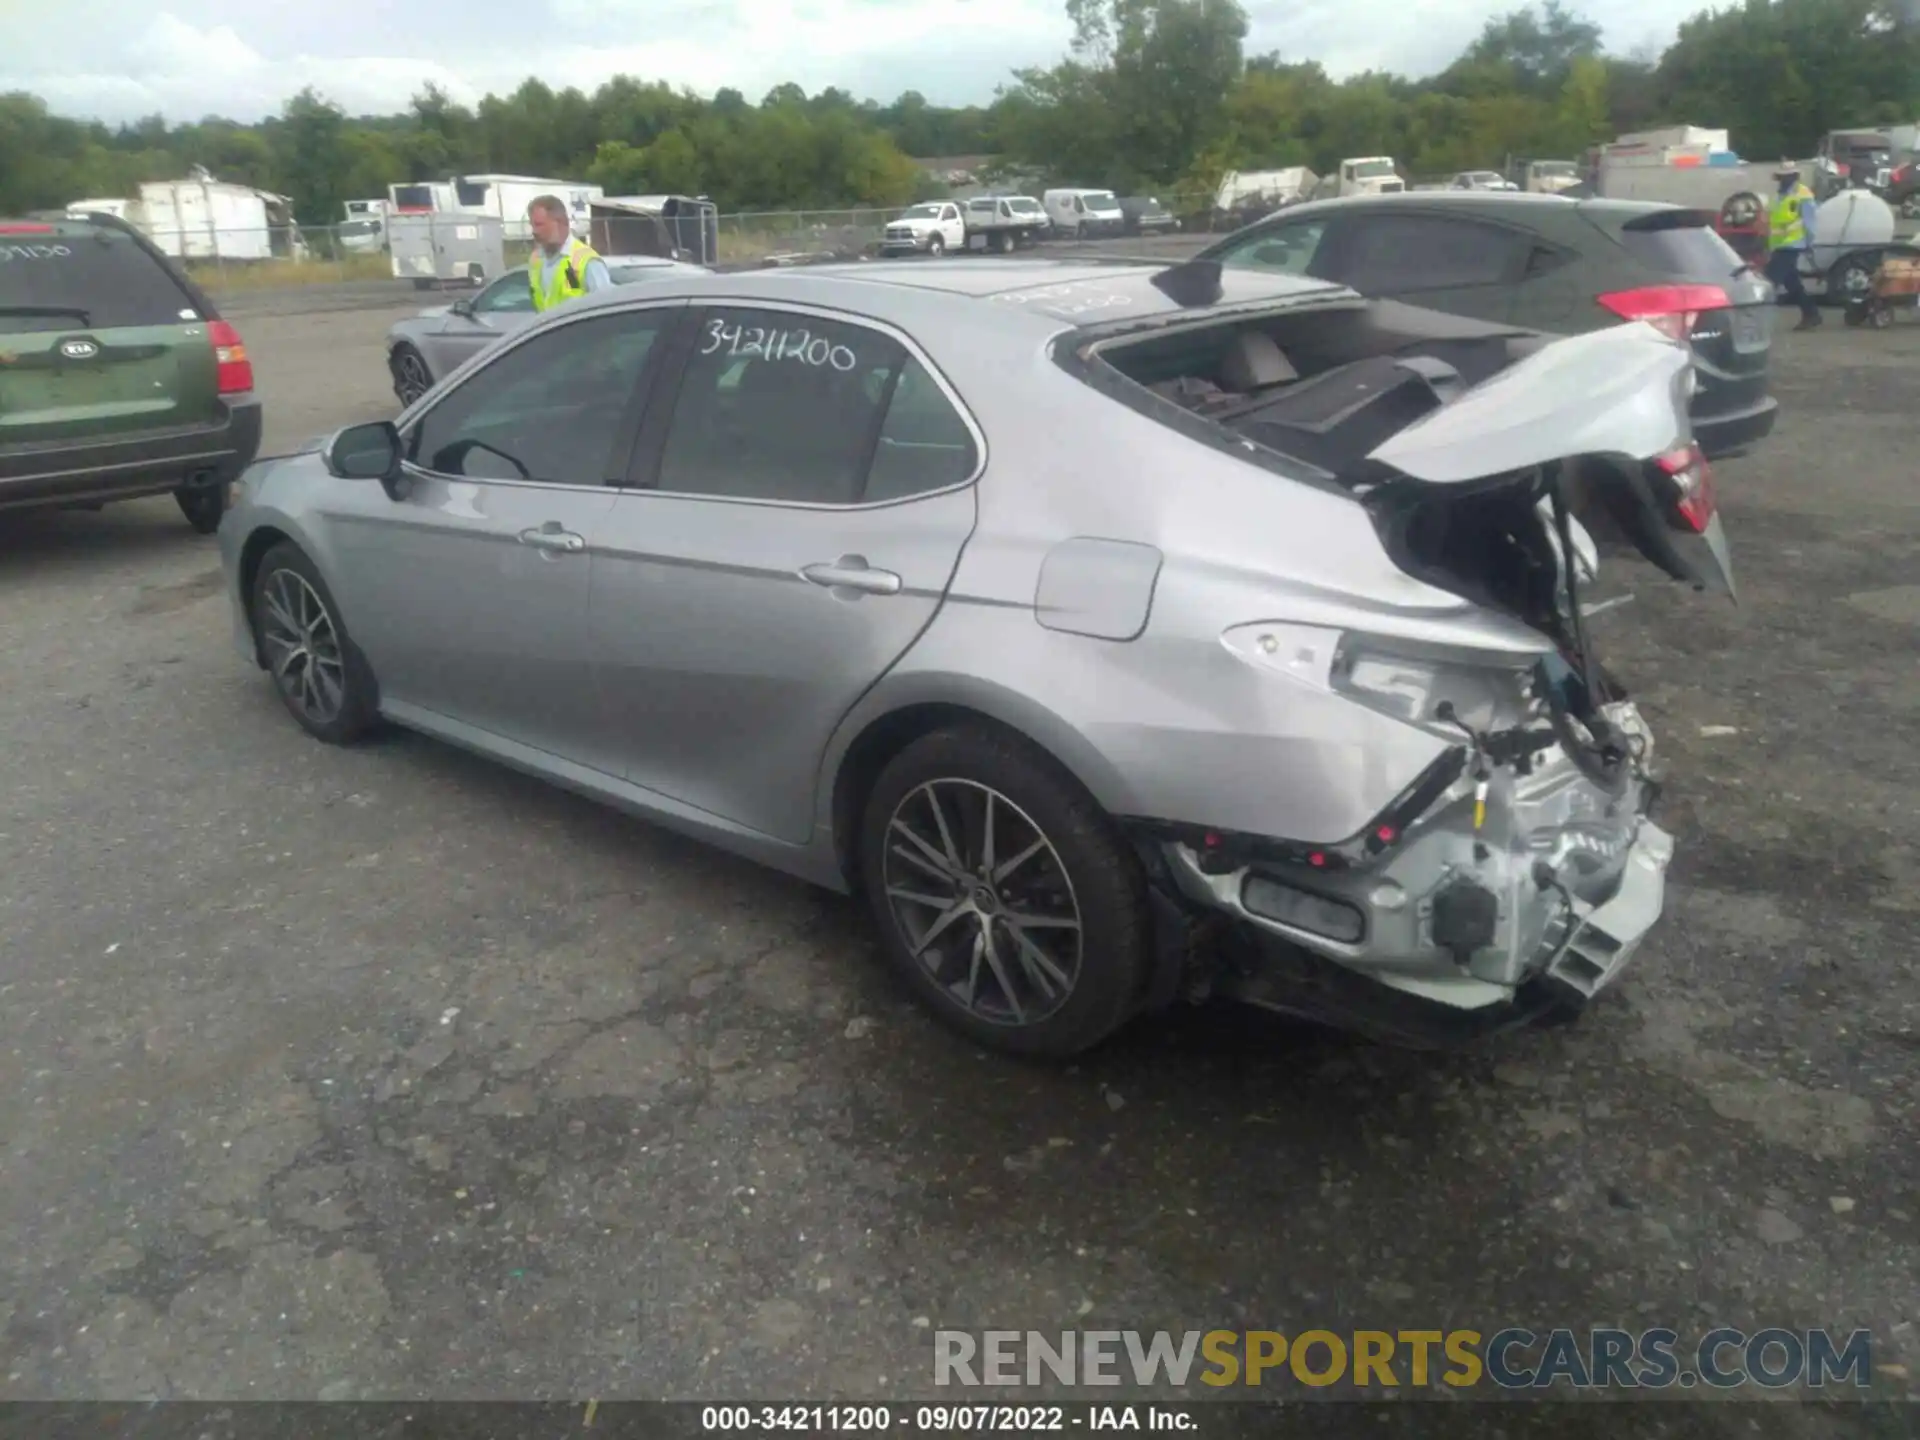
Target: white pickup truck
(931,228)
(1003,222)
(1363,175)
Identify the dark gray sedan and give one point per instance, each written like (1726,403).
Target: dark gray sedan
(436,342)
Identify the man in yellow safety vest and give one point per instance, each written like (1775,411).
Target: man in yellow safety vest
(1789,236)
(561,267)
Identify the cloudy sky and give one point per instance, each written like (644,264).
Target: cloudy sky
(120,59)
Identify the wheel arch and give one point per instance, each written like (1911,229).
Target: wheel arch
(885,724)
(258,542)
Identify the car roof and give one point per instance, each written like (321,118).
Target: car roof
(1080,292)
(1515,205)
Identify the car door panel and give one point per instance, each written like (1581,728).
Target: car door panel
(477,582)
(725,669)
(744,598)
(465,618)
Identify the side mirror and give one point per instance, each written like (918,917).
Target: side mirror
(463,307)
(367,452)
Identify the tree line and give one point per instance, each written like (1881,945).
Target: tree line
(1153,94)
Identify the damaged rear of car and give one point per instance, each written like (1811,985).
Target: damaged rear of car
(1515,867)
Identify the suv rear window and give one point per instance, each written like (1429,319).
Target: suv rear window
(1690,249)
(98,279)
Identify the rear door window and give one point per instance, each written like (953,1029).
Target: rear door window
(93,280)
(779,406)
(1399,254)
(795,408)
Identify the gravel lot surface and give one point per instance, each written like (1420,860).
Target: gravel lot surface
(385,1072)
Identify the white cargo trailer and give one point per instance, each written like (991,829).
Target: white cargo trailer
(206,220)
(435,250)
(504,197)
(508,196)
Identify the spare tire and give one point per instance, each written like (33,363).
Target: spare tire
(1741,211)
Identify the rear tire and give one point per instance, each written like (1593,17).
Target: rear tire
(1058,895)
(317,670)
(203,505)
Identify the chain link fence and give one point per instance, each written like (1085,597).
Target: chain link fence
(451,251)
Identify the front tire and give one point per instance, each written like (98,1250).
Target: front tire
(318,672)
(936,247)
(1005,899)
(411,376)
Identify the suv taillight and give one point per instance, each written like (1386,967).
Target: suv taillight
(1692,479)
(1670,309)
(21,227)
(235,371)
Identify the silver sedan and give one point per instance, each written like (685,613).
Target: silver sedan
(1121,632)
(423,348)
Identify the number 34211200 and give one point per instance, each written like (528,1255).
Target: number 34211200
(800,346)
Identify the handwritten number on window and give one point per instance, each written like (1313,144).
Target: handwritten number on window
(801,346)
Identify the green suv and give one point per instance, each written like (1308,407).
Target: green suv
(118,378)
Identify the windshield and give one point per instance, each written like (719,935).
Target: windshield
(1150,207)
(1554,167)
(1100,200)
(921,212)
(1372,169)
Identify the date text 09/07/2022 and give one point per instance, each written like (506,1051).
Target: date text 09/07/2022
(944,1419)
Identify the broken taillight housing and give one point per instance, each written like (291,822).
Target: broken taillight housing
(1687,470)
(1670,309)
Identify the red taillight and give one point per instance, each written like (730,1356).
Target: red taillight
(1692,478)
(22,228)
(1670,309)
(235,371)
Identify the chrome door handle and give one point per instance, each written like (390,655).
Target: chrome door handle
(851,572)
(563,541)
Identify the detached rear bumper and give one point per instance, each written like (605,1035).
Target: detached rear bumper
(126,467)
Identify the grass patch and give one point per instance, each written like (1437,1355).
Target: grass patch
(280,274)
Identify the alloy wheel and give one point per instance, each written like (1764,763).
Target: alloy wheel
(983,901)
(411,373)
(303,647)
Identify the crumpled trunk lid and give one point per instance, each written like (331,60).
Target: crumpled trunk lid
(1610,408)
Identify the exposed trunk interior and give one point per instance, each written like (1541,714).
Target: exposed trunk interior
(1324,387)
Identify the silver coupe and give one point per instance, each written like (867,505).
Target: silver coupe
(1120,632)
